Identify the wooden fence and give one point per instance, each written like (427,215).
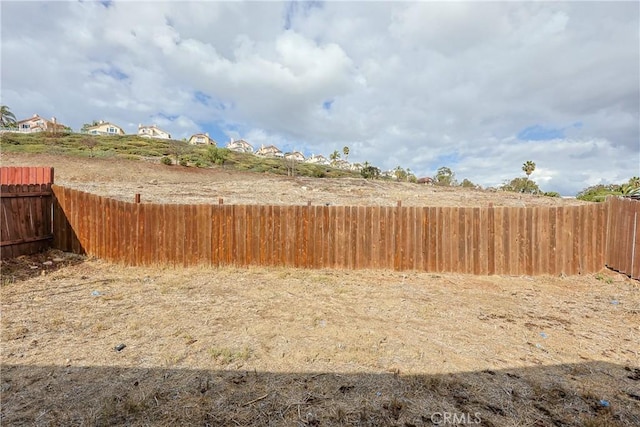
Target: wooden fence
(25,216)
(25,175)
(492,240)
(25,210)
(623,239)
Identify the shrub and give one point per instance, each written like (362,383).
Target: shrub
(183,162)
(217,156)
(166,160)
(370,172)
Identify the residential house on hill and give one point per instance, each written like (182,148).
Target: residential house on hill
(152,131)
(317,159)
(269,151)
(36,123)
(240,146)
(201,138)
(342,164)
(295,155)
(104,128)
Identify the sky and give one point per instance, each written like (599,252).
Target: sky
(478,87)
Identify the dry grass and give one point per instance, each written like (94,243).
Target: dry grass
(122,179)
(313,347)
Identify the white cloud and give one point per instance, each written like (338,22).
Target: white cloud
(412,84)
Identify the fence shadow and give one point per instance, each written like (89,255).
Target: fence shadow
(26,267)
(590,393)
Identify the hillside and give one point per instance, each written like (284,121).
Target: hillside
(123,166)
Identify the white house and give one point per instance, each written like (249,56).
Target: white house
(269,151)
(240,146)
(104,128)
(152,131)
(295,155)
(317,159)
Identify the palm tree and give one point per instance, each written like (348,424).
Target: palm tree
(528,167)
(7,118)
(334,157)
(345,150)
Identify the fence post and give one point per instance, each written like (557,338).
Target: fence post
(633,242)
(137,198)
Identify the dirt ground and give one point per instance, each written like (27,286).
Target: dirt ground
(261,346)
(122,179)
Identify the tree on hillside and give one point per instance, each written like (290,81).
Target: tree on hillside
(290,165)
(7,118)
(521,185)
(91,143)
(468,184)
(596,193)
(599,192)
(345,151)
(400,173)
(334,157)
(88,125)
(216,155)
(369,171)
(445,177)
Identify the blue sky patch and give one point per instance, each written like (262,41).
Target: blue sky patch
(171,118)
(209,101)
(326,105)
(202,97)
(540,133)
(294,7)
(215,132)
(448,160)
(112,72)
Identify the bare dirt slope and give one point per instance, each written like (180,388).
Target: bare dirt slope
(122,179)
(313,347)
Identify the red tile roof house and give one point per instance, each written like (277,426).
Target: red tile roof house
(39,124)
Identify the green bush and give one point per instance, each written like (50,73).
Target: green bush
(166,160)
(183,162)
